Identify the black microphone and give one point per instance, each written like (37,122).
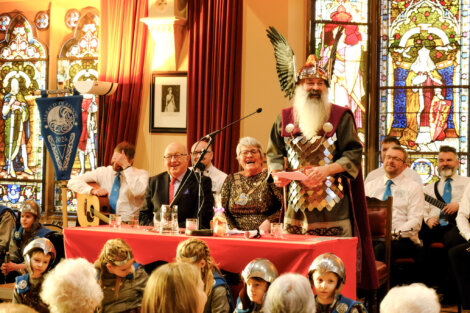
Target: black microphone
(218,131)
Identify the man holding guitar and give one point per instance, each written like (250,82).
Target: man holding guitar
(123,184)
(442,205)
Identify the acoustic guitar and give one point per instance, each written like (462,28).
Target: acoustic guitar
(92,210)
(437,203)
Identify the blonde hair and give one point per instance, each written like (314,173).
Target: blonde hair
(194,250)
(72,287)
(172,288)
(117,253)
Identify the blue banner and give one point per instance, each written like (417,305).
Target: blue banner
(61,127)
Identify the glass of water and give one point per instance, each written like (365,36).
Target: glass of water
(115,220)
(169,220)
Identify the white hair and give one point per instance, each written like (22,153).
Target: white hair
(290,293)
(249,142)
(72,286)
(414,298)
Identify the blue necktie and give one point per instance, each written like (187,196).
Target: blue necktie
(447,196)
(388,190)
(113,197)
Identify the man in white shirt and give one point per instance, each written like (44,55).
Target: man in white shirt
(408,204)
(387,142)
(216,175)
(459,255)
(439,223)
(123,184)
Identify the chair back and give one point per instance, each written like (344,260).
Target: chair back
(380,221)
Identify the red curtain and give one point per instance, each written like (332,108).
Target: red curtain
(214,75)
(123,41)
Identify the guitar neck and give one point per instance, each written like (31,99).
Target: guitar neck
(434,201)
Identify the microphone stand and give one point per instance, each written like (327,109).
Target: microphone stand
(197,165)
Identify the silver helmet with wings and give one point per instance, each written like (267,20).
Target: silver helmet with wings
(285,63)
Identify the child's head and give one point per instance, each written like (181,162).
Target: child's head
(116,257)
(30,215)
(174,288)
(39,256)
(327,275)
(196,251)
(258,275)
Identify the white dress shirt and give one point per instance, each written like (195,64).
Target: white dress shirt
(408,203)
(217,177)
(380,172)
(463,223)
(458,183)
(131,193)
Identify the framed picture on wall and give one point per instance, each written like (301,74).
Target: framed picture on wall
(168,102)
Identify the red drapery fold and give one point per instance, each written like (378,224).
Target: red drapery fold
(123,41)
(214,75)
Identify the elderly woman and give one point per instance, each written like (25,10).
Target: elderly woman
(249,200)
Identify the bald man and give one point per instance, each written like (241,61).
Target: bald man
(164,186)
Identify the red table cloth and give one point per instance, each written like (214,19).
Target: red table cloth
(291,253)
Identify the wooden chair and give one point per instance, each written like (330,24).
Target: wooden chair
(380,221)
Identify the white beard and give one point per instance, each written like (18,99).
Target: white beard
(447,172)
(311,113)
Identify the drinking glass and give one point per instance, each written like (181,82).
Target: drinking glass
(276,230)
(115,220)
(169,219)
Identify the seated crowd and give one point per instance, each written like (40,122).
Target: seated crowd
(251,200)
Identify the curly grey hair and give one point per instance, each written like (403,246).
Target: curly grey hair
(72,287)
(249,142)
(290,293)
(414,298)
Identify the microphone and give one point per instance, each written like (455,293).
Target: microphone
(218,131)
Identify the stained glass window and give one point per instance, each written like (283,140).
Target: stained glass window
(23,64)
(78,61)
(345,22)
(424,72)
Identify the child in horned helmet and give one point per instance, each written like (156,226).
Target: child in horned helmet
(39,256)
(327,276)
(121,278)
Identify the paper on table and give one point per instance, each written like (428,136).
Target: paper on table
(291,175)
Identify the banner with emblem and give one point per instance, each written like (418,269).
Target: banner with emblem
(61,127)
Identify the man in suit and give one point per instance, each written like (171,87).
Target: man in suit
(165,187)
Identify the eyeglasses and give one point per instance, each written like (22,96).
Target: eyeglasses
(176,156)
(394,158)
(199,152)
(246,152)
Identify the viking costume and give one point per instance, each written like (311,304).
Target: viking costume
(338,206)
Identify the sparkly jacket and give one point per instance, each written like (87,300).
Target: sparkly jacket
(248,201)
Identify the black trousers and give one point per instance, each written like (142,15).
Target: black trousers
(459,258)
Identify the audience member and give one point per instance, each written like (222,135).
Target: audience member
(327,276)
(387,142)
(174,288)
(123,183)
(29,229)
(120,277)
(9,307)
(290,293)
(39,256)
(7,224)
(459,255)
(72,287)
(414,298)
(408,205)
(217,176)
(219,297)
(257,277)
(250,201)
(163,187)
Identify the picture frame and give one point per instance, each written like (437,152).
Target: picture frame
(168,104)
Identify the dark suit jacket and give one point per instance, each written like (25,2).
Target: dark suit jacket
(157,194)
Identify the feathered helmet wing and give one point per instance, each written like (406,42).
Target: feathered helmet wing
(285,63)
